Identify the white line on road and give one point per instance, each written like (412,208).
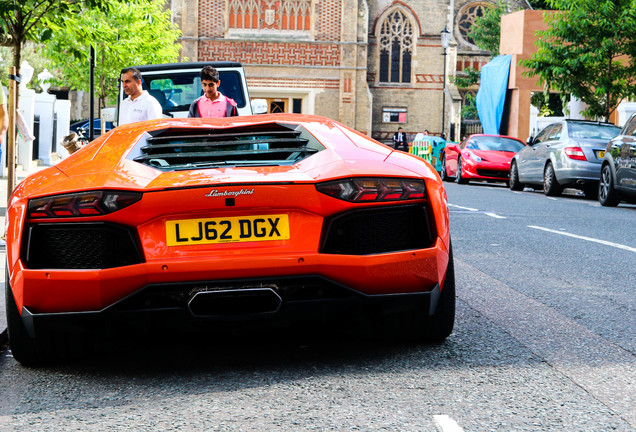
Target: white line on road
(590,239)
(446,424)
(491,214)
(462,208)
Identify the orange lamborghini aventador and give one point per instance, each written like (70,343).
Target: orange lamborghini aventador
(197,222)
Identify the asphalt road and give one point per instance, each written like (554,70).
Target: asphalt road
(544,341)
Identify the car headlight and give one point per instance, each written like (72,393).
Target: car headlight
(472,156)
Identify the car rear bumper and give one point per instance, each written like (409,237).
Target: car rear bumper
(60,290)
(148,310)
(578,172)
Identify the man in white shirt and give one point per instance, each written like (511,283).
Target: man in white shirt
(139,105)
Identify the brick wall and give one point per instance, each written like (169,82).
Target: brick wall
(299,54)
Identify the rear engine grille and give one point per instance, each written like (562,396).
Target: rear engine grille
(80,246)
(271,144)
(493,173)
(378,230)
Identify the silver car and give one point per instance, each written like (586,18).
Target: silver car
(564,154)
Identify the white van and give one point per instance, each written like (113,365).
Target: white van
(177,85)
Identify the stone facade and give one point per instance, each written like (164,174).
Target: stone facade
(374,65)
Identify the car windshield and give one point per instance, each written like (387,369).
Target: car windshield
(593,130)
(176,91)
(494,143)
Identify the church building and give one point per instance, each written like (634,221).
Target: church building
(374,65)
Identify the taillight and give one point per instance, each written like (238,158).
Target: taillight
(374,189)
(81,204)
(575,153)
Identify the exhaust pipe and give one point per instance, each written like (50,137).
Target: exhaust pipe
(234,302)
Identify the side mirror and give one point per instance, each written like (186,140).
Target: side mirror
(109,114)
(530,140)
(259,106)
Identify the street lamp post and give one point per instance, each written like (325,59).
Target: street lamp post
(445,37)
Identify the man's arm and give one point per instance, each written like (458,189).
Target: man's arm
(156,112)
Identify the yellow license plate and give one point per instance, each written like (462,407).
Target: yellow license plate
(601,154)
(227,230)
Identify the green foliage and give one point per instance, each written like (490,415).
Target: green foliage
(34,20)
(469,109)
(549,104)
(466,78)
(31,53)
(132,33)
(588,51)
(486,30)
(538,4)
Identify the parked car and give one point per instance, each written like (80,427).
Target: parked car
(429,148)
(82,127)
(176,85)
(563,154)
(215,222)
(618,170)
(480,157)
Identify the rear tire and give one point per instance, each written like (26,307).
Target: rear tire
(442,322)
(551,186)
(607,195)
(514,182)
(416,325)
(49,345)
(458,175)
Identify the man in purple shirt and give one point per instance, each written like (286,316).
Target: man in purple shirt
(212,103)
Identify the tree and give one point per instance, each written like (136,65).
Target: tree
(34,20)
(132,33)
(486,30)
(588,51)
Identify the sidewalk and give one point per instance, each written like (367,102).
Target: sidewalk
(20,175)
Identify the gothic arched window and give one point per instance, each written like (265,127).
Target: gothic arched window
(395,47)
(467,17)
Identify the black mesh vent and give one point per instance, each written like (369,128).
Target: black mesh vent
(493,173)
(259,145)
(378,230)
(80,246)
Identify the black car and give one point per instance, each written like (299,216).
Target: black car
(82,126)
(618,171)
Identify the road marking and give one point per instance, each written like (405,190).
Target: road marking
(495,215)
(491,214)
(446,424)
(463,208)
(590,239)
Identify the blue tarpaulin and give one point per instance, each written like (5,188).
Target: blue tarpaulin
(492,93)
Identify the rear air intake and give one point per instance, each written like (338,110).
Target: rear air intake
(378,230)
(80,246)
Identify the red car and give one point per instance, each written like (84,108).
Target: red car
(191,223)
(480,157)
